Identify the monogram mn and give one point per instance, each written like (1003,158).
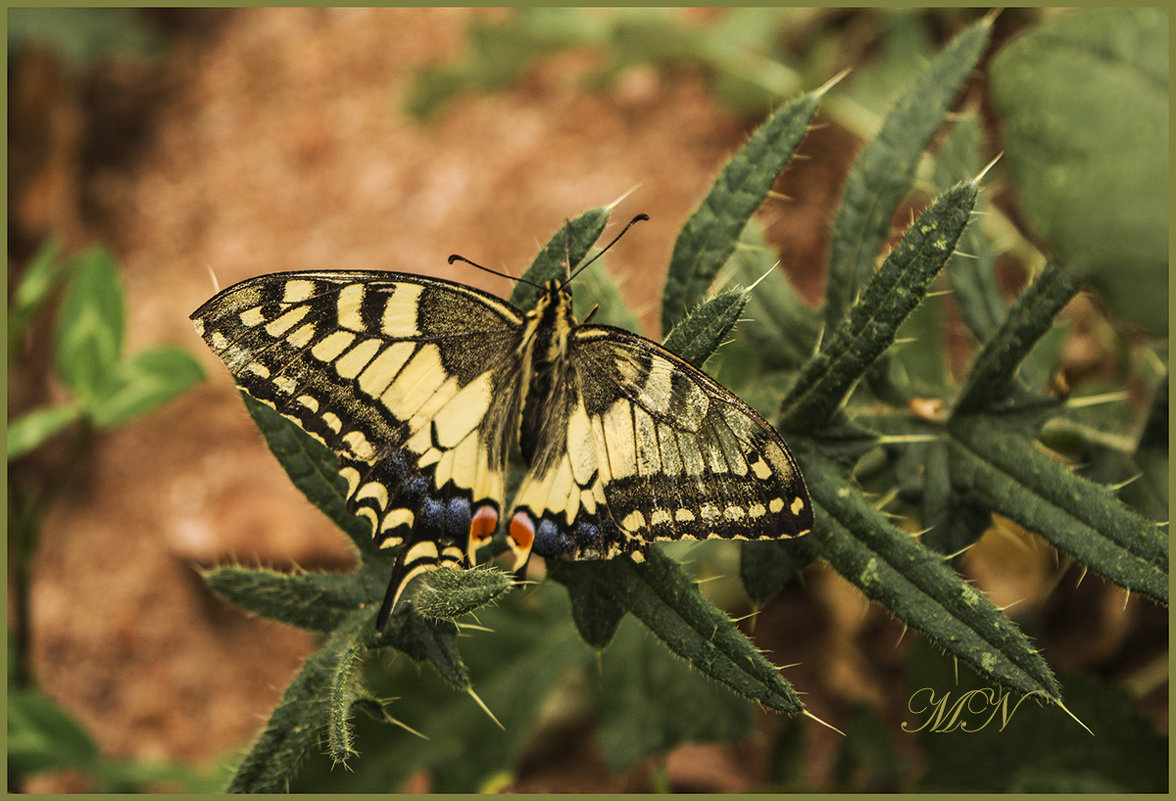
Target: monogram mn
(418,384)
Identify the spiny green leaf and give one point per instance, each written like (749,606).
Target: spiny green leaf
(764,566)
(569,244)
(308,601)
(1010,475)
(530,659)
(344,690)
(650,702)
(594,612)
(426,640)
(971,273)
(37,427)
(90,323)
(885,169)
(1085,104)
(1030,317)
(312,468)
(144,382)
(667,601)
(712,232)
(915,584)
(869,328)
(700,334)
(296,723)
(447,594)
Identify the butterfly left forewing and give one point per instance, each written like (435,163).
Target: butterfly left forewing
(408,379)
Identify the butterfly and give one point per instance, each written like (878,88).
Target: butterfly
(419,385)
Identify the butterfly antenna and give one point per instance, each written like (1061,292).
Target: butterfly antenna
(603,250)
(456,257)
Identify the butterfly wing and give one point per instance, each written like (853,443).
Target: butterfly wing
(665,452)
(410,380)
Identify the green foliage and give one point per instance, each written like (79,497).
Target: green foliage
(885,169)
(1085,103)
(739,53)
(81,36)
(860,393)
(107,387)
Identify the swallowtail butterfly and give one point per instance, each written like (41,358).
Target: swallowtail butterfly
(419,384)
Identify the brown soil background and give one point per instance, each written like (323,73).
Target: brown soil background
(267,140)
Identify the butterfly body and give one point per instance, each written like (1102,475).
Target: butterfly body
(419,385)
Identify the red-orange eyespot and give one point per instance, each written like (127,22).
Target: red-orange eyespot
(522,531)
(483,525)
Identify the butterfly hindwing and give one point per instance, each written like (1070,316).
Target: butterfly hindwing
(408,379)
(679,454)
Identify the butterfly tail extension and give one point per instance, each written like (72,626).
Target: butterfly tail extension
(412,561)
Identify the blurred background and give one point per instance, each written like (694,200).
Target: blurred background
(199,145)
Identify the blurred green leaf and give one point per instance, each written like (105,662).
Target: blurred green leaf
(45,273)
(1085,104)
(781,329)
(90,325)
(42,736)
(143,383)
(31,430)
(650,702)
(81,36)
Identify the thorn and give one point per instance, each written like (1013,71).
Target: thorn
(486,709)
(808,714)
(1093,400)
(939,292)
(901,636)
(836,79)
(1125,482)
(475,627)
(960,552)
(1011,605)
(989,166)
(617,202)
(1079,582)
(406,727)
(1126,598)
(903,439)
(1076,720)
(762,277)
